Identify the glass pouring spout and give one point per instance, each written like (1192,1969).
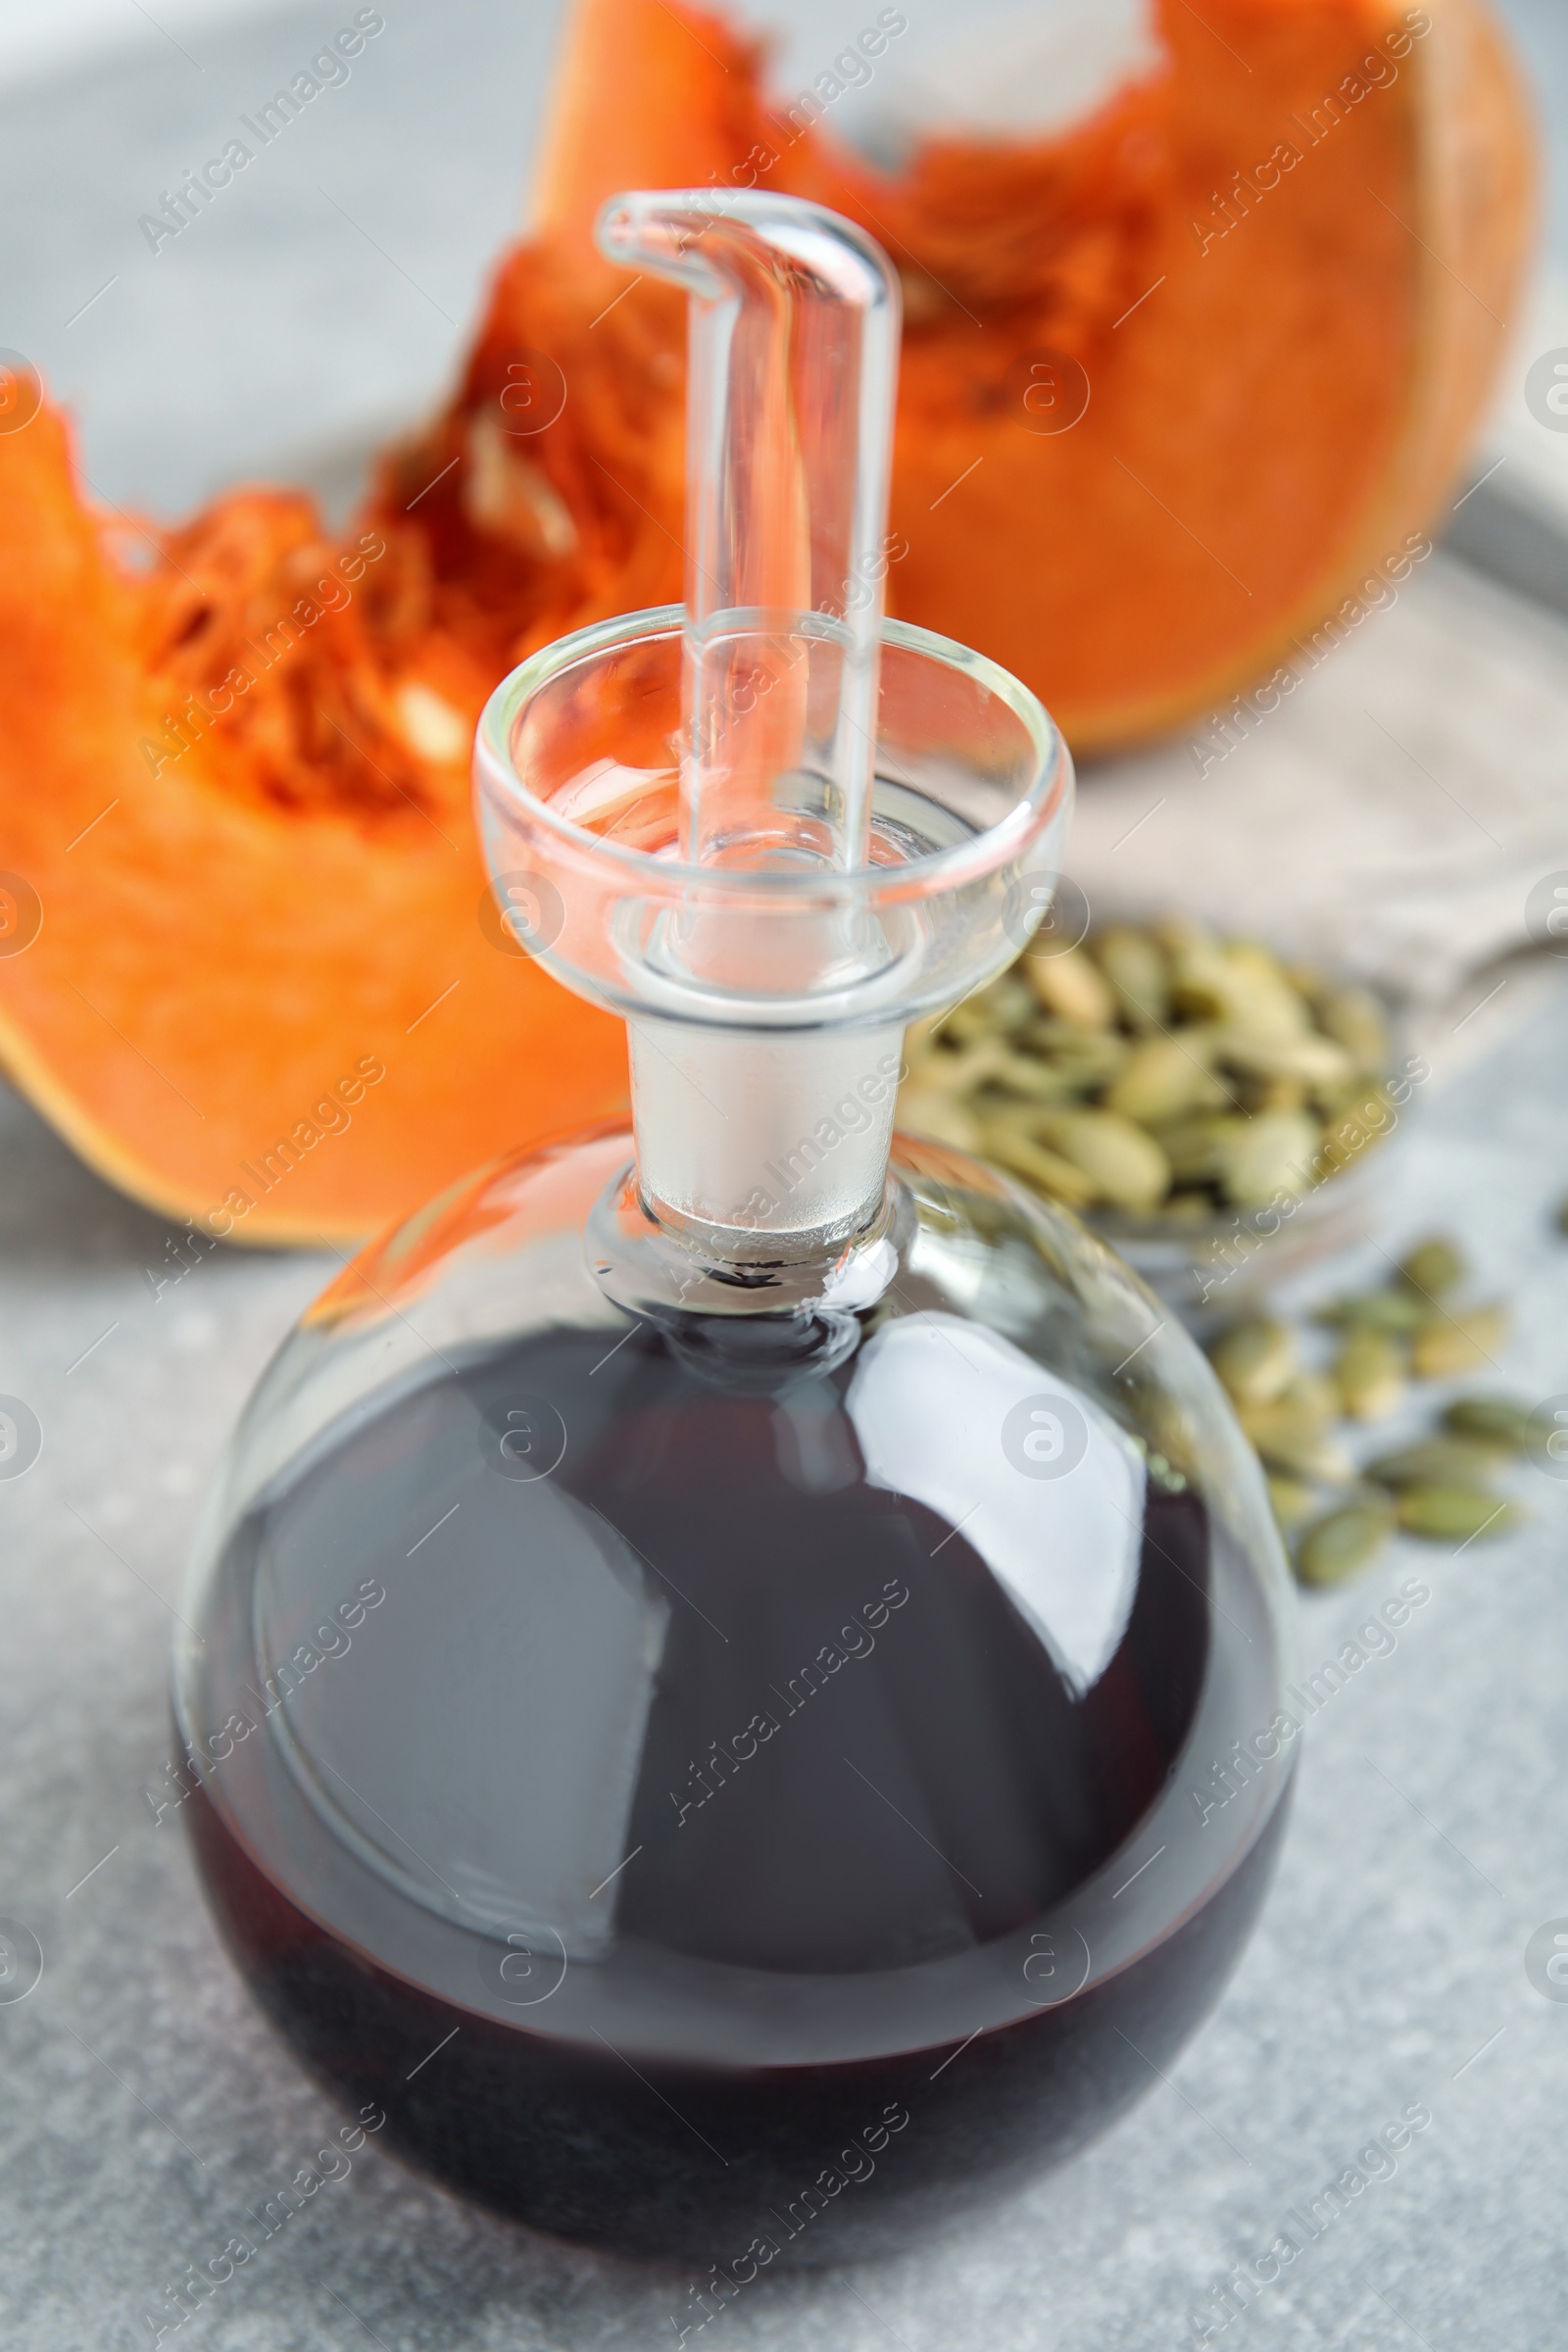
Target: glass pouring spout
(793,362)
(766,827)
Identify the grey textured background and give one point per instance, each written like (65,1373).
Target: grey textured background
(144,2106)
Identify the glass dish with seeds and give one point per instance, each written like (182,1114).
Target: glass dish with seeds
(1217,1111)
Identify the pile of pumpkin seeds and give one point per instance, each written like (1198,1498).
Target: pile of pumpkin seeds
(1165,1071)
(1162,1071)
(1338,1516)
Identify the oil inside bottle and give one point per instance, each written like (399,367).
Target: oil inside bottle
(695,1835)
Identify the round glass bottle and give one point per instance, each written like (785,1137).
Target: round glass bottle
(735,1670)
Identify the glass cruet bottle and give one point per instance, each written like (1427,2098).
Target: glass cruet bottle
(736,1687)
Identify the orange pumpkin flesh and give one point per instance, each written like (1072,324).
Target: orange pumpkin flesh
(251,903)
(232,948)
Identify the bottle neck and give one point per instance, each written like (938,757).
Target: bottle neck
(759,1147)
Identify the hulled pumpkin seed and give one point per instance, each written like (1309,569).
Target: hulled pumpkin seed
(1010,1001)
(1024,1157)
(1255,1360)
(1023,1074)
(1272,1153)
(1296,1441)
(1497,1420)
(1437,1463)
(1315,1394)
(1196,1146)
(957,1070)
(1163,1077)
(1435,1267)
(1073,987)
(1343,1543)
(1377,1310)
(967,1022)
(934,1114)
(1311,1061)
(1443,1343)
(1087,1056)
(1127,1165)
(1369,1373)
(1136,968)
(1200,986)
(1354,1018)
(1455,1514)
(1260,999)
(1356,1122)
(1292,1500)
(1269,1094)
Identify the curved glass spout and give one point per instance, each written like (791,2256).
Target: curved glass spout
(770,828)
(794,342)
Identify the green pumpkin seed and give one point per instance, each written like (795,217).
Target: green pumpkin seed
(1369,1373)
(991,1013)
(1343,1543)
(1354,1018)
(1087,1056)
(946,1069)
(1497,1420)
(1037,1081)
(1016,1150)
(1196,1146)
(933,1113)
(1127,1165)
(1292,1500)
(1255,1361)
(1269,1094)
(1435,1267)
(1377,1310)
(1262,998)
(1437,1463)
(1073,987)
(1455,1514)
(1356,1122)
(1163,1077)
(966,1024)
(1272,1153)
(1313,1394)
(1137,972)
(1311,1059)
(1010,1000)
(1295,1441)
(1201,986)
(1443,1344)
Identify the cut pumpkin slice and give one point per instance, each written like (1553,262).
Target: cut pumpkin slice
(254,988)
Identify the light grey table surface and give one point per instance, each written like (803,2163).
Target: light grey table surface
(143,2105)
